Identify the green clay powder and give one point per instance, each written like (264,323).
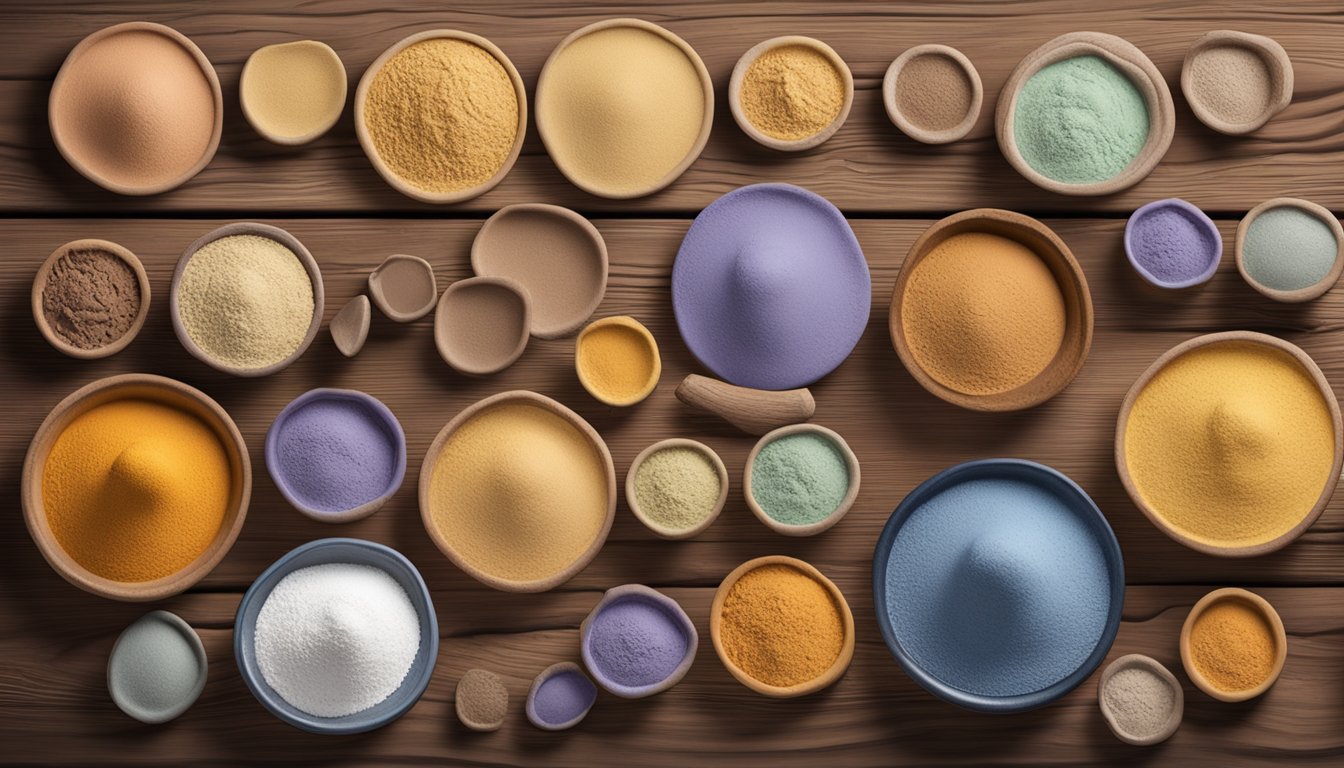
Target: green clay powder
(799,479)
(1288,249)
(1080,121)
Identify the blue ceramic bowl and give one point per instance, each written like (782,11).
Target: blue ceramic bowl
(1197,218)
(358,552)
(1004,469)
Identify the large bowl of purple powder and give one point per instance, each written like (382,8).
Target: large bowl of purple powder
(637,641)
(1172,244)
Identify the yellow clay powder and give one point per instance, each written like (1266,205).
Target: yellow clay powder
(617,361)
(293,90)
(1231,443)
(792,92)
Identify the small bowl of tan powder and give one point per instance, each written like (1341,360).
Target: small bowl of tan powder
(933,94)
(90,298)
(1235,81)
(791,93)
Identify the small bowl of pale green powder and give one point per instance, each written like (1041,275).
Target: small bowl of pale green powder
(677,487)
(801,479)
(1290,250)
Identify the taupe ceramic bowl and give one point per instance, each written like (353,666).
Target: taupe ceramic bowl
(811,529)
(1316,289)
(1258,604)
(913,129)
(1278,68)
(40,284)
(461,339)
(765,139)
(632,498)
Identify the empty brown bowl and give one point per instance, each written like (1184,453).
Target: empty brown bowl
(139,386)
(1048,246)
(403,287)
(917,126)
(774,142)
(1204,80)
(1261,607)
(481,325)
(40,284)
(810,529)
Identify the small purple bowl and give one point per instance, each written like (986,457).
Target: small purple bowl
(1172,244)
(670,611)
(371,408)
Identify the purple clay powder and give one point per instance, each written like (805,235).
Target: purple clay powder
(1172,243)
(563,696)
(634,642)
(335,454)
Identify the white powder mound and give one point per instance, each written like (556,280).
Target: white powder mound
(336,639)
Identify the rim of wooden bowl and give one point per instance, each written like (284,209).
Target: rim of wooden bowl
(366,141)
(706,85)
(827,678)
(669,606)
(1268,50)
(740,73)
(1160,522)
(525,397)
(261,230)
(1262,607)
(1055,254)
(158,389)
(446,348)
(624,321)
(293,141)
(529,705)
(211,77)
(1152,665)
(380,297)
(40,284)
(632,498)
(1316,289)
(1131,62)
(924,135)
(810,529)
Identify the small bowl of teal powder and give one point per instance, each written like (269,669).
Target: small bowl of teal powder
(1172,244)
(1085,114)
(1290,250)
(801,479)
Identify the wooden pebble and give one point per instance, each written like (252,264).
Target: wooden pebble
(754,411)
(350,327)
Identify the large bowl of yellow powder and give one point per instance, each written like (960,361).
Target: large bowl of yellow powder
(1230,443)
(518,491)
(136,486)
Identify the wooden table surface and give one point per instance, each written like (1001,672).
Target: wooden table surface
(54,639)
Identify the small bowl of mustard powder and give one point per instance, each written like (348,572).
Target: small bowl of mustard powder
(677,487)
(790,93)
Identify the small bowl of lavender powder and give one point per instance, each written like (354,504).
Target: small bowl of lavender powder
(1172,244)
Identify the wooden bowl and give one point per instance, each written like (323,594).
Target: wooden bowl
(836,671)
(1072,285)
(632,498)
(740,73)
(674,613)
(1311,292)
(40,284)
(1138,660)
(914,130)
(100,392)
(811,529)
(1154,517)
(622,321)
(450,551)
(1127,59)
(261,230)
(1262,607)
(1277,64)
(366,141)
(460,346)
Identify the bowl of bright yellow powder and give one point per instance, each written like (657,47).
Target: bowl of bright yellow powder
(518,491)
(136,486)
(790,93)
(1230,443)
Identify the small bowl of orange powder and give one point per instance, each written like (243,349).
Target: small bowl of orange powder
(1233,645)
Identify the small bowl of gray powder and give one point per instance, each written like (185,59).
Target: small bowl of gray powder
(90,298)
(1141,700)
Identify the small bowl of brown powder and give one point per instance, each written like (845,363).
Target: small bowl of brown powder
(790,93)
(1235,81)
(90,298)
(933,94)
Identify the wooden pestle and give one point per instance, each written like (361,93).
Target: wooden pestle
(754,411)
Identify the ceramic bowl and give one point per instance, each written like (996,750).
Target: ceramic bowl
(1198,218)
(260,230)
(1072,285)
(356,552)
(1139,661)
(670,607)
(632,498)
(1024,471)
(144,386)
(1313,291)
(366,141)
(827,678)
(565,667)
(1130,61)
(393,302)
(155,713)
(651,344)
(1261,606)
(811,529)
(40,283)
(324,56)
(1278,69)
(481,343)
(740,73)
(913,129)
(1154,516)
(375,408)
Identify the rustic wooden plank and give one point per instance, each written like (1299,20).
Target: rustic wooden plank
(867,166)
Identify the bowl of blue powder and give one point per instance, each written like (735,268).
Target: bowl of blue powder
(637,641)
(336,455)
(1172,244)
(801,479)
(998,585)
(1290,250)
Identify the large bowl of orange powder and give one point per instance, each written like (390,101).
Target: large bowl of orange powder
(136,486)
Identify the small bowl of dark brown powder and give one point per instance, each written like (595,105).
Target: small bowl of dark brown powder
(933,94)
(90,298)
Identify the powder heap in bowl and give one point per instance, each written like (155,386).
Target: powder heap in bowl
(293,92)
(1233,645)
(677,487)
(800,478)
(792,92)
(1141,700)
(934,92)
(1172,244)
(780,626)
(560,697)
(636,643)
(91,297)
(617,360)
(1287,248)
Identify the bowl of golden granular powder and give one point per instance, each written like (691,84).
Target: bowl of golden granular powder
(441,115)
(1233,644)
(790,93)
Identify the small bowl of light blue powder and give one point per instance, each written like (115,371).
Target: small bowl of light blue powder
(1290,250)
(998,585)
(801,479)
(1172,244)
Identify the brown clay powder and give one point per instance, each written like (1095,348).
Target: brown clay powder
(90,298)
(933,92)
(482,701)
(1231,82)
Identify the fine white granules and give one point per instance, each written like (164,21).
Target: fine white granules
(336,639)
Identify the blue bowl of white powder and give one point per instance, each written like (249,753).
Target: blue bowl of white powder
(998,585)
(338,636)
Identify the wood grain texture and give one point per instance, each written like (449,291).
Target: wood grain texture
(867,166)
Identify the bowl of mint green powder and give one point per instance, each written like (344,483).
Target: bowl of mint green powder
(801,479)
(1290,250)
(1085,114)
